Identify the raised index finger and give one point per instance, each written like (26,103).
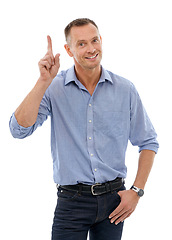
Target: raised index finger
(49,47)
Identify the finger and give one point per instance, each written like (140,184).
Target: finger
(122,218)
(45,64)
(49,47)
(116,211)
(118,215)
(57,60)
(49,58)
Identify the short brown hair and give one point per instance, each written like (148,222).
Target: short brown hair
(77,22)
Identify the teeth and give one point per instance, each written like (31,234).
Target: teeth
(92,57)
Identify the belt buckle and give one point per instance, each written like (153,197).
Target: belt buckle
(92,189)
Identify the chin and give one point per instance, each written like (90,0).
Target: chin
(92,65)
(86,65)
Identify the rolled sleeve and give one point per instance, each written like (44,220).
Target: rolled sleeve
(19,131)
(142,132)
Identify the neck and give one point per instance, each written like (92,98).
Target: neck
(88,77)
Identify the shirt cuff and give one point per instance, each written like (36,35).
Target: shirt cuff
(150,147)
(17,130)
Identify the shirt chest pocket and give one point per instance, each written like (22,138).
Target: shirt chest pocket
(112,124)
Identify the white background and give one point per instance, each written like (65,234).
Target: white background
(137,44)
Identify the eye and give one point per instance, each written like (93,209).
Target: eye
(96,40)
(81,44)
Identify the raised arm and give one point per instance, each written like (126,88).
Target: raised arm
(26,113)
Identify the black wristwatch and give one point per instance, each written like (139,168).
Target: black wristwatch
(139,191)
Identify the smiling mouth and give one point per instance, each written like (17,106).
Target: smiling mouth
(93,57)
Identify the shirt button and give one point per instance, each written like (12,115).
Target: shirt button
(95,169)
(89,138)
(90,105)
(91,154)
(90,121)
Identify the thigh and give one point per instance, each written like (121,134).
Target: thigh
(68,235)
(72,217)
(106,230)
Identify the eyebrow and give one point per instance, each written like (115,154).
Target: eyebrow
(79,41)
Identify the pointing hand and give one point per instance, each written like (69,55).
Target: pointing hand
(49,65)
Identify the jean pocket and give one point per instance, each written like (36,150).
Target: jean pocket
(117,195)
(121,188)
(66,195)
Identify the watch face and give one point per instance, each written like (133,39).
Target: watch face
(140,193)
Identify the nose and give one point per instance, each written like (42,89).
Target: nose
(91,48)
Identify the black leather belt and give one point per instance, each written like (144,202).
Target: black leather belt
(96,189)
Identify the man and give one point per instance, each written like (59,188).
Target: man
(93,115)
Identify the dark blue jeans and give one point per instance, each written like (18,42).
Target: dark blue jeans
(76,214)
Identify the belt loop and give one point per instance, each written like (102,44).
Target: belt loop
(80,189)
(106,186)
(110,185)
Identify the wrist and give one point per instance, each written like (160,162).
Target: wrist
(138,191)
(43,84)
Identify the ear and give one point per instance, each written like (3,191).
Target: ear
(67,47)
(101,39)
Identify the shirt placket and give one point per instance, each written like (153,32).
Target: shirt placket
(90,140)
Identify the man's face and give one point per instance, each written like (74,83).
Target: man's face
(85,46)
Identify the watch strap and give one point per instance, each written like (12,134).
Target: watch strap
(139,191)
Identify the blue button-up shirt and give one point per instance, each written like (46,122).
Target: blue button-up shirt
(89,134)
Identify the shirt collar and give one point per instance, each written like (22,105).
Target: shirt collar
(71,76)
